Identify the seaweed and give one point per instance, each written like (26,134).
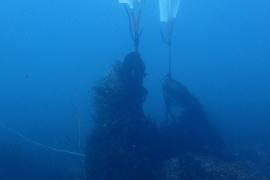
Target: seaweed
(187,128)
(125,144)
(121,144)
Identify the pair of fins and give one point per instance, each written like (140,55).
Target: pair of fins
(168,8)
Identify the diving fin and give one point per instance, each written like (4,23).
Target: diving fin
(168,9)
(131,3)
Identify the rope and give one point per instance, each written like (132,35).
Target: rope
(30,141)
(129,21)
(134,22)
(166,36)
(170,60)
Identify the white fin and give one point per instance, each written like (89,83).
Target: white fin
(130,3)
(168,9)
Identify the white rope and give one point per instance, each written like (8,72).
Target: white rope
(20,135)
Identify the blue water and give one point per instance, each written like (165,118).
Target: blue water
(53,52)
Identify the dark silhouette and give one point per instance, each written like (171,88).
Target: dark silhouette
(187,128)
(121,144)
(125,144)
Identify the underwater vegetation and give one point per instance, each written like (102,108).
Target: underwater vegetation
(208,168)
(52,50)
(122,141)
(187,128)
(126,144)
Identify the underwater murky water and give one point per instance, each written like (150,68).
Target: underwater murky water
(191,102)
